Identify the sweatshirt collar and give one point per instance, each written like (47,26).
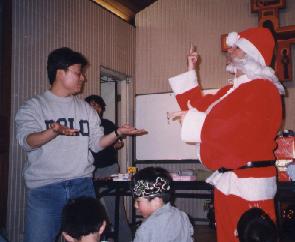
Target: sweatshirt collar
(53,97)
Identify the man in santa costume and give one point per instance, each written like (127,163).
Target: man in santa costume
(235,128)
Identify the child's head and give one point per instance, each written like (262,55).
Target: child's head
(151,189)
(256,226)
(83,219)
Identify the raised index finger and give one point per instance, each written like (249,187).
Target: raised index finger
(193,49)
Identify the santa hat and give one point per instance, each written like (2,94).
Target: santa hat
(255,42)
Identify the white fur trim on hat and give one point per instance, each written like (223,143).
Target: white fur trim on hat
(183,82)
(251,50)
(232,38)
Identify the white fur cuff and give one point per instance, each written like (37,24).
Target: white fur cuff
(192,126)
(183,82)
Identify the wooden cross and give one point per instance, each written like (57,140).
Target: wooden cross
(268,11)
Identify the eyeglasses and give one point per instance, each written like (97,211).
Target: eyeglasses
(78,73)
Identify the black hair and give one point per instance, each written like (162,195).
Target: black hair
(98,99)
(82,216)
(150,175)
(256,226)
(62,59)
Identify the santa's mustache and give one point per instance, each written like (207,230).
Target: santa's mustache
(234,64)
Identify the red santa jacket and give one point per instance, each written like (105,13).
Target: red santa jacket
(241,127)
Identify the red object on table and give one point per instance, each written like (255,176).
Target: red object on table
(286,148)
(283,176)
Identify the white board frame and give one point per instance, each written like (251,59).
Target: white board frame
(163,140)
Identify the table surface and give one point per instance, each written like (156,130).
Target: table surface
(181,189)
(286,190)
(181,185)
(288,186)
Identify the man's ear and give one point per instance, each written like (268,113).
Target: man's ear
(102,227)
(59,74)
(68,237)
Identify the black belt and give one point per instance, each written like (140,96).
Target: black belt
(250,164)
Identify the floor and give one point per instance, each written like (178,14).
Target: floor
(205,234)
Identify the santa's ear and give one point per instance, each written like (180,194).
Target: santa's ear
(102,227)
(67,237)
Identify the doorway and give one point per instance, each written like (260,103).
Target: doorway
(117,91)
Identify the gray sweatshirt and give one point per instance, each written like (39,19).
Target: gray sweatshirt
(64,157)
(166,224)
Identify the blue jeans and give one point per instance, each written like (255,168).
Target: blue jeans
(2,239)
(44,207)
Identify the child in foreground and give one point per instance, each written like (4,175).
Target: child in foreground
(162,222)
(256,225)
(83,220)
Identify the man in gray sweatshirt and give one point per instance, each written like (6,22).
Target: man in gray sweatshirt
(57,130)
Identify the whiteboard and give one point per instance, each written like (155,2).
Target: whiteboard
(163,139)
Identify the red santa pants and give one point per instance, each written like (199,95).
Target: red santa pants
(228,210)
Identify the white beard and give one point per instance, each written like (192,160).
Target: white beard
(231,68)
(254,70)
